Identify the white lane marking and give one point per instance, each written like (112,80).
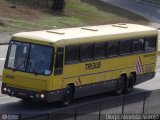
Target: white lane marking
(1,59)
(4,97)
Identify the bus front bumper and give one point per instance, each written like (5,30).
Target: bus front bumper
(32,95)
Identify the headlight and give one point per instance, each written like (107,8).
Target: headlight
(42,95)
(4,89)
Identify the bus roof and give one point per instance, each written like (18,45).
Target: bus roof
(68,34)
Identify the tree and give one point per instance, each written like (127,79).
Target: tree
(47,4)
(58,5)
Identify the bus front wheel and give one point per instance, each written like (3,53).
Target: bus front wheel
(67,96)
(120,85)
(129,84)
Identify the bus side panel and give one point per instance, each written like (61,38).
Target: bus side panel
(86,81)
(89,79)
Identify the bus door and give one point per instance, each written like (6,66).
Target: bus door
(58,68)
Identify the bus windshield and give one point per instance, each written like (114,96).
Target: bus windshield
(31,58)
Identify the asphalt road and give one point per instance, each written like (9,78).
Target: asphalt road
(5,37)
(147,10)
(3,52)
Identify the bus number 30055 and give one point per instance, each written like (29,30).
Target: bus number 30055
(94,65)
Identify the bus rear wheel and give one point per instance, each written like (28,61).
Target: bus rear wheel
(129,83)
(67,96)
(120,85)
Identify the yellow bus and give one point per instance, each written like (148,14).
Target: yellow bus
(63,64)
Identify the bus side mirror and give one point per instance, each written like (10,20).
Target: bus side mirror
(59,62)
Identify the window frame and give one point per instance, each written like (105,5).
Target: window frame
(58,70)
(9,52)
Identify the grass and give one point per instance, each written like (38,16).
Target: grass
(1,23)
(26,17)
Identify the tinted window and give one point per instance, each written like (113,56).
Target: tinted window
(40,59)
(59,61)
(125,47)
(112,48)
(86,52)
(72,54)
(150,44)
(138,45)
(99,50)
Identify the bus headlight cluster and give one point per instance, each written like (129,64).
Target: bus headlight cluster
(6,90)
(40,96)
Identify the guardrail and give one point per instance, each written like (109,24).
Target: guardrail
(138,105)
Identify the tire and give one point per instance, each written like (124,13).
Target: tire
(129,83)
(120,85)
(67,96)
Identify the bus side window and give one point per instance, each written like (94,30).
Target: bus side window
(71,54)
(150,44)
(99,50)
(138,45)
(112,48)
(125,47)
(86,52)
(59,61)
